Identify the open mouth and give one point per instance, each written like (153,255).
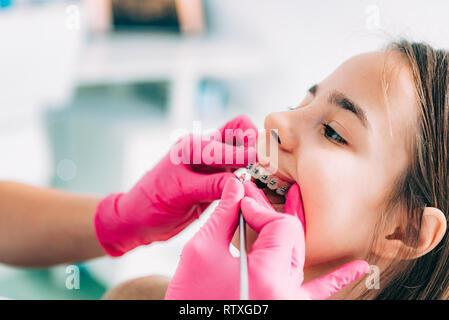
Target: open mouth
(272,186)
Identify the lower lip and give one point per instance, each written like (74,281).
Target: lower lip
(278,174)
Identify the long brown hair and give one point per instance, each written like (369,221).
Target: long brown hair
(425,182)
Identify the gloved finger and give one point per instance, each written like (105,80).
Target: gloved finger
(277,236)
(205,188)
(218,154)
(223,221)
(235,131)
(293,204)
(256,214)
(325,286)
(275,230)
(240,122)
(252,191)
(196,150)
(211,243)
(294,207)
(201,168)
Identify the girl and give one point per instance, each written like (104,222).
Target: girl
(368,148)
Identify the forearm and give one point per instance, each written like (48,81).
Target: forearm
(43,227)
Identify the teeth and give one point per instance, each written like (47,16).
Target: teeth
(256,172)
(282,190)
(264,178)
(272,184)
(272,181)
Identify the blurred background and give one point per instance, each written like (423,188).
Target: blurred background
(93,93)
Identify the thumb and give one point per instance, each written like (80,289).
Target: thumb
(257,215)
(273,250)
(325,286)
(206,188)
(252,191)
(275,229)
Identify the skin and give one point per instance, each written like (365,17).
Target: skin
(41,227)
(343,186)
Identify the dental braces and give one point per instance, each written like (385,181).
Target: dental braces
(271,181)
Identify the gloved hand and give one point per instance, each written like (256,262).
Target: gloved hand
(175,192)
(207,270)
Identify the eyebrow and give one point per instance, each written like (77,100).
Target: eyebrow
(340,100)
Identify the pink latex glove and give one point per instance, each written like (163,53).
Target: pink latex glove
(207,270)
(170,196)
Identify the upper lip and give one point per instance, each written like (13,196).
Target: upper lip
(280,175)
(283,177)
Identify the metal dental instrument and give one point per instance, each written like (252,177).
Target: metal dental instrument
(244,291)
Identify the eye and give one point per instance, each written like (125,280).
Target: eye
(330,134)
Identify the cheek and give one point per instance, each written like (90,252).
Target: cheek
(338,218)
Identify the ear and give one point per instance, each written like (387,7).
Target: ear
(433,228)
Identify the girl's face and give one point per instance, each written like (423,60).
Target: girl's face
(344,145)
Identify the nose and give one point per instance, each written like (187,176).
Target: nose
(282,124)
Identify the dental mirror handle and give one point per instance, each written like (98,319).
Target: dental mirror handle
(244,290)
(244,294)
